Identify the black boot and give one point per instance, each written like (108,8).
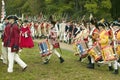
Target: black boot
(119,60)
(46,61)
(116,71)
(91,66)
(89,59)
(80,59)
(69,41)
(61,60)
(110,68)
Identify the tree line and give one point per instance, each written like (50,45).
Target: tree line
(70,9)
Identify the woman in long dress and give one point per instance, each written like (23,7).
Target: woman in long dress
(25,36)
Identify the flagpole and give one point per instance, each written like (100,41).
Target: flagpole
(3,13)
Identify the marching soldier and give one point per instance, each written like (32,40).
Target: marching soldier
(81,41)
(93,36)
(54,42)
(11,41)
(117,38)
(107,51)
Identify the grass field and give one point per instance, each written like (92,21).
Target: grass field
(71,69)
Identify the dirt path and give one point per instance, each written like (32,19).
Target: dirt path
(66,46)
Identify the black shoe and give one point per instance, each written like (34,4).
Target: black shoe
(1,59)
(61,60)
(119,60)
(15,62)
(46,62)
(89,59)
(91,66)
(98,65)
(116,71)
(24,68)
(69,41)
(80,59)
(110,68)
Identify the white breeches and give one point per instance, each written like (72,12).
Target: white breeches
(63,36)
(13,56)
(4,54)
(115,64)
(56,52)
(92,60)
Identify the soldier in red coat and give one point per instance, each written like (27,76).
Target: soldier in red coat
(93,38)
(11,41)
(54,42)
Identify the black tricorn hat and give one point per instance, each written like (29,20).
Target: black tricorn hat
(116,23)
(53,22)
(100,24)
(12,17)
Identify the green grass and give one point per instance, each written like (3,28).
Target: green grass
(71,69)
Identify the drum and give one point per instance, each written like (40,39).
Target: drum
(95,52)
(82,47)
(108,54)
(44,48)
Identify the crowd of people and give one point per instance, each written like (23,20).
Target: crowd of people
(99,41)
(17,34)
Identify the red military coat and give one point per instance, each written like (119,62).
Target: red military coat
(11,35)
(95,34)
(53,38)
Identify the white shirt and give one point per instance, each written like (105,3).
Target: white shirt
(62,27)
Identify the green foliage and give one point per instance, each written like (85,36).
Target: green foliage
(100,8)
(92,7)
(64,8)
(13,6)
(106,4)
(115,8)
